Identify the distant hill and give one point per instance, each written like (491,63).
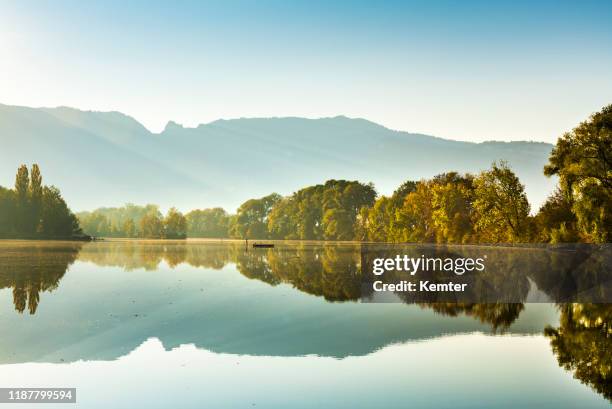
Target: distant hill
(108,158)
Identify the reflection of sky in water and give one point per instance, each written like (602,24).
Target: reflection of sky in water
(105,312)
(200,337)
(462,371)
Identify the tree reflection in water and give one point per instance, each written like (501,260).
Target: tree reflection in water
(499,315)
(30,269)
(581,343)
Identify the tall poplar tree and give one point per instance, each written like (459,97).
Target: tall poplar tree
(22,183)
(35,193)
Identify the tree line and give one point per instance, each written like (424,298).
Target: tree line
(489,207)
(32,210)
(131,221)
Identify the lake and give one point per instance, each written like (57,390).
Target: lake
(192,324)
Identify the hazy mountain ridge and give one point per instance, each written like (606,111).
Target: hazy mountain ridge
(109,158)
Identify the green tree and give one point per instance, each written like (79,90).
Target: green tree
(500,206)
(33,210)
(7,212)
(57,220)
(329,211)
(352,196)
(209,223)
(283,219)
(582,159)
(252,218)
(310,212)
(22,182)
(555,221)
(35,193)
(339,225)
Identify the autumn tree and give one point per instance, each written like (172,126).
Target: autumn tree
(501,208)
(175,225)
(399,195)
(374,222)
(152,226)
(415,217)
(382,221)
(452,209)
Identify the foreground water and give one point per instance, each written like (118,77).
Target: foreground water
(205,324)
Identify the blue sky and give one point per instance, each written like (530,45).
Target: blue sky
(461,70)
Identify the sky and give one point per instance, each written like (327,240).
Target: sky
(466,70)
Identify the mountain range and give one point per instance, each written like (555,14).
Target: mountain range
(109,159)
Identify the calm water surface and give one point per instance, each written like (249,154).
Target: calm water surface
(208,324)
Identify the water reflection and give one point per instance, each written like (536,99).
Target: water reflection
(499,315)
(131,255)
(338,272)
(333,272)
(281,325)
(561,273)
(583,344)
(30,270)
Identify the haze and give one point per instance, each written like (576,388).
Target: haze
(468,71)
